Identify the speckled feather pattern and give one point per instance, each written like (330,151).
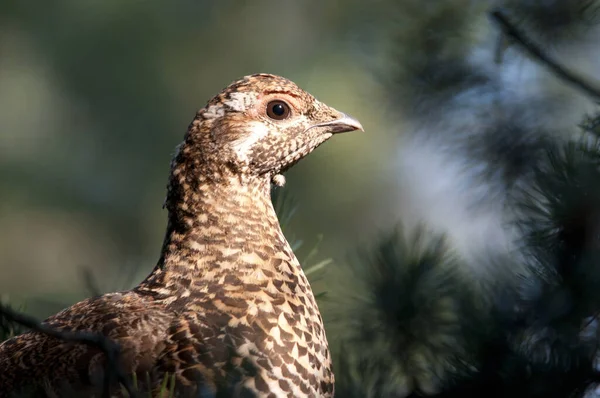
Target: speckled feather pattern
(228,301)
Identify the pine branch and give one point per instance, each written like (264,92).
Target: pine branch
(407,319)
(110,348)
(534,50)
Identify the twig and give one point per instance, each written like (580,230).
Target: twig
(109,347)
(520,38)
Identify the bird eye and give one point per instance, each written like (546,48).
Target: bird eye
(278,110)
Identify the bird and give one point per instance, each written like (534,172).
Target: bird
(227,291)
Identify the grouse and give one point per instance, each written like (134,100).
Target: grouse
(227,291)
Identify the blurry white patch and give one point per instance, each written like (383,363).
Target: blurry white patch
(256,132)
(437,188)
(593,391)
(240,101)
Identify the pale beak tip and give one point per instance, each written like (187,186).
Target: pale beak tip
(349,123)
(342,124)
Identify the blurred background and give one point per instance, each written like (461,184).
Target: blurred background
(94,97)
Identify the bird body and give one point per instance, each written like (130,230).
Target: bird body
(227,307)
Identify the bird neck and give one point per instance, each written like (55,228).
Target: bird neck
(218,227)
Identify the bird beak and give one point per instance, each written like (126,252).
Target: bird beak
(342,124)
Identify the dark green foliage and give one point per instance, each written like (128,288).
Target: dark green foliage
(561,224)
(417,327)
(407,318)
(591,124)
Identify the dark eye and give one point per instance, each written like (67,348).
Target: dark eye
(278,110)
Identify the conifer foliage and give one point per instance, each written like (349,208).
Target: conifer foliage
(462,311)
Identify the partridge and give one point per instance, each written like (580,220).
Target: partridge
(228,295)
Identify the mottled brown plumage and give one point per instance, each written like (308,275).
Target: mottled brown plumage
(227,289)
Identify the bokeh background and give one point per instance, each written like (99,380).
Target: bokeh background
(94,97)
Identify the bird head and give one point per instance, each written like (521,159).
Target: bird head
(261,125)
